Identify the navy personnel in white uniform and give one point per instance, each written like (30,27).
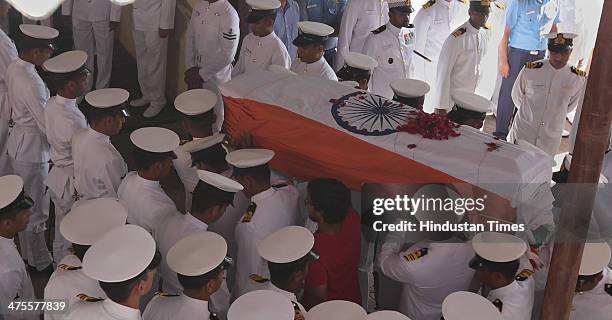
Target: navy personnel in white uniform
(460,68)
(269,210)
(261,304)
(210,47)
(140,190)
(27,144)
(593,299)
(336,309)
(82,226)
(544,92)
(69,75)
(93,27)
(470,109)
(288,252)
(98,166)
(501,265)
(8,53)
(153,20)
(311,48)
(357,67)
(196,107)
(199,263)
(464,305)
(262,47)
(410,91)
(392,45)
(15,211)
(125,280)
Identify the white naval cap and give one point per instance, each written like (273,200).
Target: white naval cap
(39,32)
(286,245)
(386,315)
(436,191)
(399,4)
(315,28)
(197,254)
(498,247)
(121,254)
(534,149)
(196,101)
(89,220)
(463,305)
(107,98)
(11,189)
(264,4)
(203,143)
(337,310)
(220,182)
(280,70)
(66,62)
(122,2)
(261,305)
(595,258)
(567,162)
(471,101)
(409,88)
(155,139)
(360,61)
(248,158)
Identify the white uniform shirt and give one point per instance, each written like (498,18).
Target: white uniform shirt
(186,172)
(67,284)
(392,48)
(14,278)
(460,67)
(544,95)
(258,53)
(427,280)
(103,310)
(146,201)
(359,18)
(319,68)
(595,304)
(152,15)
(92,10)
(516,299)
(179,307)
(8,53)
(98,166)
(275,208)
(27,95)
(66,120)
(212,40)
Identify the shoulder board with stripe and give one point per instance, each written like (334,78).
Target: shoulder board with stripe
(501,6)
(298,313)
(608,288)
(459,32)
(413,256)
(498,304)
(429,4)
(86,298)
(257,278)
(248,215)
(523,275)
(578,72)
(534,65)
(380,29)
(488,26)
(66,267)
(230,35)
(163,294)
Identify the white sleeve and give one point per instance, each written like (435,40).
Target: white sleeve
(189,43)
(422,23)
(166,16)
(248,258)
(442,96)
(575,99)
(36,102)
(518,90)
(112,177)
(391,262)
(67,8)
(230,36)
(349,20)
(115,12)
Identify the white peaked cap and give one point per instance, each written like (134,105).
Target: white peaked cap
(203,143)
(263,4)
(155,139)
(197,254)
(66,62)
(89,220)
(220,182)
(107,98)
(360,61)
(196,101)
(471,101)
(337,310)
(39,32)
(261,305)
(286,245)
(498,247)
(595,257)
(248,158)
(11,187)
(121,254)
(409,88)
(386,315)
(315,28)
(463,305)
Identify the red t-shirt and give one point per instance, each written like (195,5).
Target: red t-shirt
(338,261)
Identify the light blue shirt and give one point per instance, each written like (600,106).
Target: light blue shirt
(324,11)
(286,26)
(526,19)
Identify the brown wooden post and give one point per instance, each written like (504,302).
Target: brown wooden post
(591,140)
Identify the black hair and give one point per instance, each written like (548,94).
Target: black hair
(415,102)
(79,250)
(200,119)
(21,202)
(58,80)
(213,156)
(259,173)
(145,159)
(93,114)
(281,272)
(348,73)
(198,282)
(206,196)
(120,291)
(507,269)
(460,115)
(331,197)
(26,43)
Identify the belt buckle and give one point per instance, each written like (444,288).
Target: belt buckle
(534,52)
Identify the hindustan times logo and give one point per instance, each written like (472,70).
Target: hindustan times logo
(426,204)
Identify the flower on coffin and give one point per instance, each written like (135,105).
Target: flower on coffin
(430,126)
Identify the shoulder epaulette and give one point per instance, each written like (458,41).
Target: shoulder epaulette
(534,65)
(163,294)
(248,215)
(298,313)
(501,6)
(457,33)
(488,26)
(523,275)
(608,288)
(429,4)
(257,278)
(578,72)
(413,256)
(379,30)
(86,298)
(66,267)
(498,304)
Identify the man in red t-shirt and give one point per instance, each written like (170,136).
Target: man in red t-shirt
(337,241)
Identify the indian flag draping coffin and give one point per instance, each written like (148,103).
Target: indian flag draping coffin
(322,128)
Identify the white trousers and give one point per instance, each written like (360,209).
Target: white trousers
(5,116)
(95,37)
(63,201)
(151,57)
(32,240)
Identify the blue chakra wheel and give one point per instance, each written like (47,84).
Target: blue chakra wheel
(367,114)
